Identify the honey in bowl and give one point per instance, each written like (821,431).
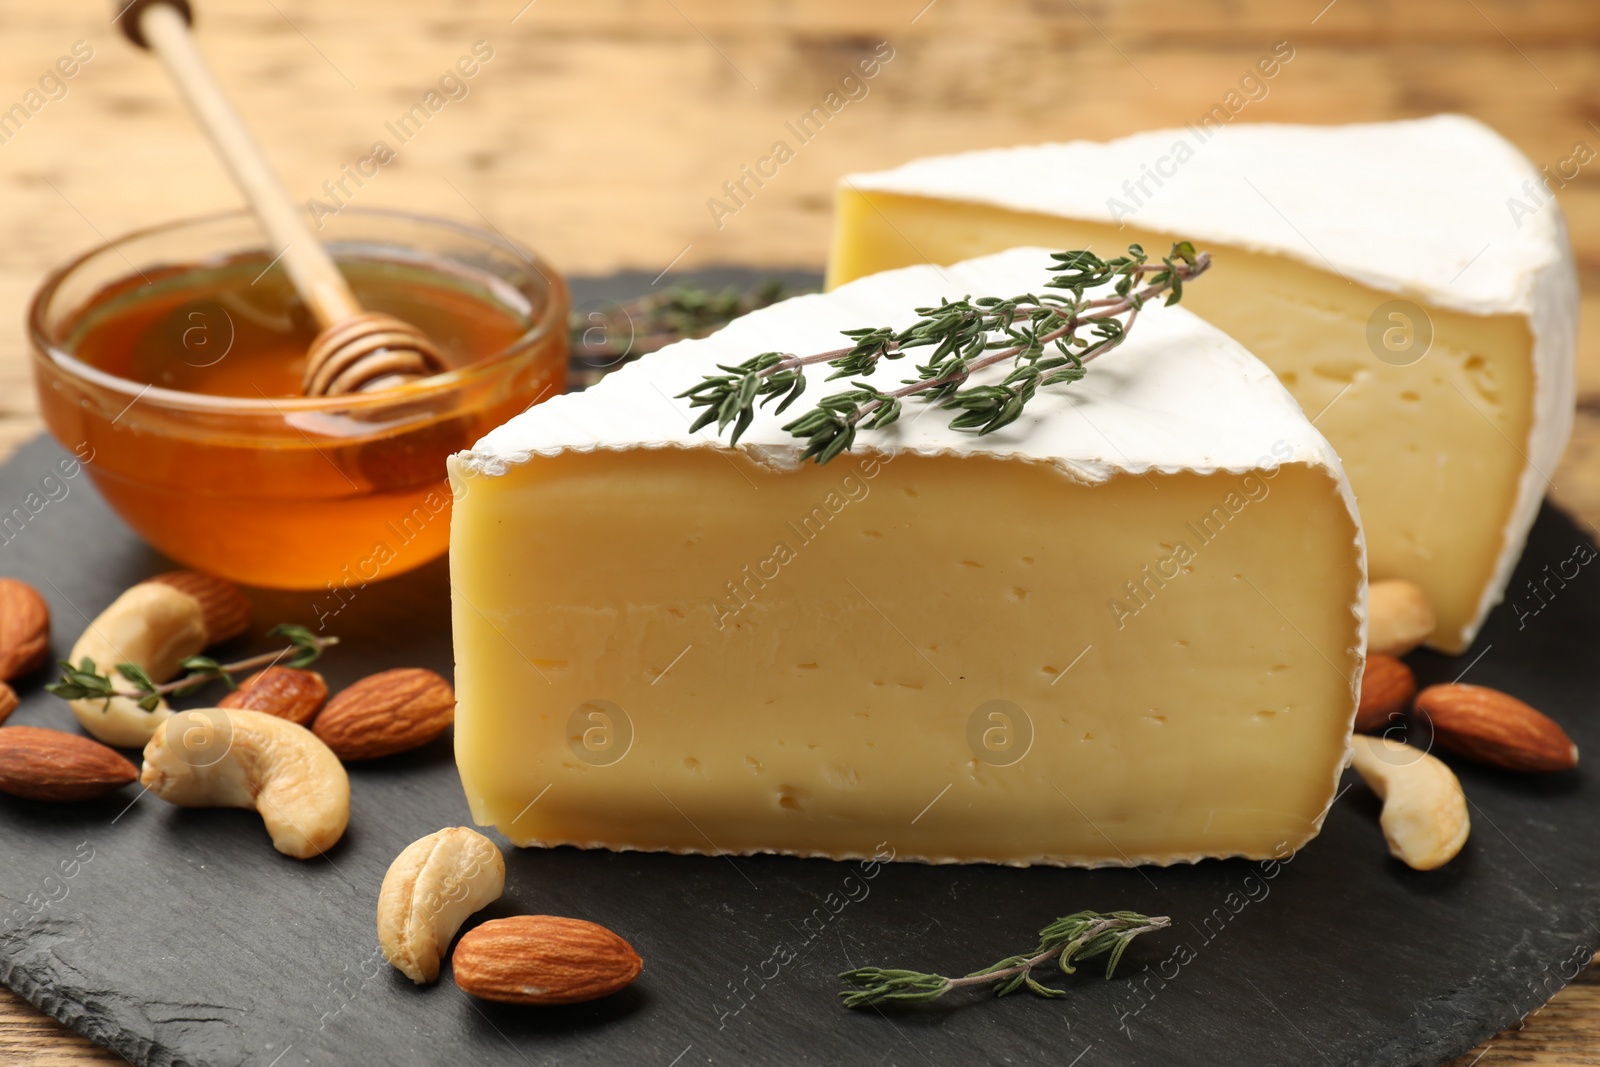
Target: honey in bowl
(239,330)
(180,382)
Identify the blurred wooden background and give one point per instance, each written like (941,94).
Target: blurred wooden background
(600,128)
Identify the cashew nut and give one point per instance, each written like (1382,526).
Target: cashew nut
(1424,811)
(234,758)
(155,625)
(1399,617)
(428,893)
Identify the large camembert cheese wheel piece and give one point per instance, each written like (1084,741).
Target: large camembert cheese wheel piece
(1410,282)
(1124,629)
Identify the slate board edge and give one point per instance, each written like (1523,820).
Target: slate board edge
(122,1039)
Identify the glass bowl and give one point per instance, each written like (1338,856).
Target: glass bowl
(292,492)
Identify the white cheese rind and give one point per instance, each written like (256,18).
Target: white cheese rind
(1402,206)
(1218,408)
(1420,208)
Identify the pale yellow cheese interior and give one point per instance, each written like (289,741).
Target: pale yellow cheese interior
(1434,450)
(625,681)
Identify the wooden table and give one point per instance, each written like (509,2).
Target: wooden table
(599,129)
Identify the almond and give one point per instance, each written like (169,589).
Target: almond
(1492,727)
(44,764)
(387,713)
(543,959)
(1399,617)
(24,629)
(1387,687)
(224,611)
(8,701)
(287,692)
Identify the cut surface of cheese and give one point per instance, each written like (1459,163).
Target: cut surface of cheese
(1125,629)
(1411,283)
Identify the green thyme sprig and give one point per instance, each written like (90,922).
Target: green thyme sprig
(646,323)
(1069,940)
(1048,337)
(87,682)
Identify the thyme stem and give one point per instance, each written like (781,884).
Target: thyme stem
(927,385)
(265,659)
(86,681)
(959,331)
(1159,922)
(1072,939)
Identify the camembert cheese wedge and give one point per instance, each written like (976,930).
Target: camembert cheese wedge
(1410,282)
(1125,629)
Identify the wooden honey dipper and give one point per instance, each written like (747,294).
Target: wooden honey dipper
(357,351)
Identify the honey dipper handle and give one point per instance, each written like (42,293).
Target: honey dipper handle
(164,27)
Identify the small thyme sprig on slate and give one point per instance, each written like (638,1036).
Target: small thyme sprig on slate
(1040,334)
(647,323)
(86,682)
(1072,939)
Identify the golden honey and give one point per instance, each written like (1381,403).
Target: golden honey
(181,382)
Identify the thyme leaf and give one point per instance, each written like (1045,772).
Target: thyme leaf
(1070,940)
(304,646)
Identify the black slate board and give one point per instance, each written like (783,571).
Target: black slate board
(181,937)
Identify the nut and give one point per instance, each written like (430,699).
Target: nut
(542,959)
(387,713)
(1399,617)
(1492,727)
(1424,811)
(1387,686)
(428,893)
(224,611)
(287,692)
(157,625)
(45,764)
(8,701)
(24,629)
(237,758)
